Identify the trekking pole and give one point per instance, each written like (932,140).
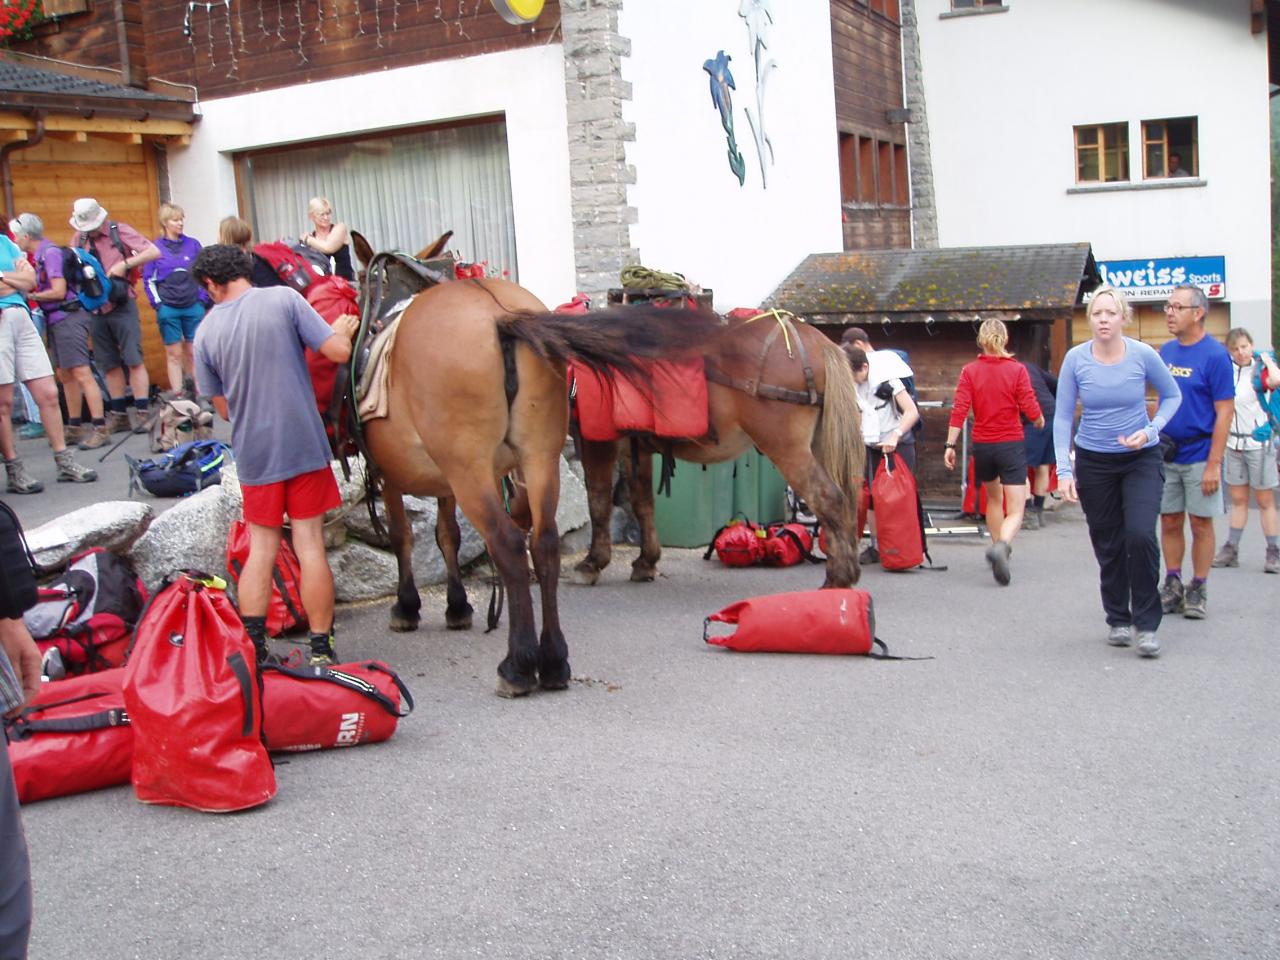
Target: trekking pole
(129,433)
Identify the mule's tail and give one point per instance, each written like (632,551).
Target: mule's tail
(614,340)
(838,441)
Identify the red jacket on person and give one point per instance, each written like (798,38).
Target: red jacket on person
(998,389)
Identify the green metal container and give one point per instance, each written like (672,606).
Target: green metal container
(703,499)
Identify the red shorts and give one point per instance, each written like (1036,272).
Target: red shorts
(303,496)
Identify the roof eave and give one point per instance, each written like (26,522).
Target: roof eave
(87,107)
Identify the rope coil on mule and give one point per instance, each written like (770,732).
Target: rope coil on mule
(636,276)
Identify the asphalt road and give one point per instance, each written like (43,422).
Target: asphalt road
(1030,792)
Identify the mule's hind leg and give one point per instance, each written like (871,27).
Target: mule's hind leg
(405,611)
(834,510)
(542,479)
(458,612)
(598,457)
(640,472)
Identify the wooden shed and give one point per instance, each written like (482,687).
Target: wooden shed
(71,132)
(930,303)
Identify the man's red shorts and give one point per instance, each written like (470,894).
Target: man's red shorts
(303,496)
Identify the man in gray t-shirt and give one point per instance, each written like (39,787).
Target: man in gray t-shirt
(249,358)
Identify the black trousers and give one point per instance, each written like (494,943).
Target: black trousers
(1120,494)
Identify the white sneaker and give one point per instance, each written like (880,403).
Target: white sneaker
(1120,636)
(1148,644)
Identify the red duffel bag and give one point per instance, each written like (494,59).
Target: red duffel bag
(739,543)
(193,694)
(899,532)
(315,708)
(811,621)
(73,738)
(284,609)
(788,544)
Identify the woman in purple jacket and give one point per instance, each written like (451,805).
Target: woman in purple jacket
(179,302)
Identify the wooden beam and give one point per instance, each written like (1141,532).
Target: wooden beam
(71,136)
(11,120)
(129,138)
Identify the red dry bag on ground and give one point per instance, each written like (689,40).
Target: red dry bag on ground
(316,708)
(193,694)
(788,544)
(284,611)
(73,738)
(899,532)
(739,543)
(87,614)
(812,621)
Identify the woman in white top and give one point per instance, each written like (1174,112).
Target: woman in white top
(1250,463)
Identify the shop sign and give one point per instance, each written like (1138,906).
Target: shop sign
(1155,279)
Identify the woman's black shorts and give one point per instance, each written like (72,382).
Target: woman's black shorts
(1006,461)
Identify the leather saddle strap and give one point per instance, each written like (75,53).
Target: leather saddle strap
(807,397)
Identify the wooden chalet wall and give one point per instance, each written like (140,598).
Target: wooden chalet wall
(261,45)
(867,58)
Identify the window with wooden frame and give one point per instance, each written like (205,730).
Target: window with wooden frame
(1102,153)
(971,4)
(1170,148)
(886,8)
(873,172)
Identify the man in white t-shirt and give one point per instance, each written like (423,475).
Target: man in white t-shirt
(888,413)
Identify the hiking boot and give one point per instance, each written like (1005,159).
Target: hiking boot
(71,471)
(998,556)
(1196,601)
(117,421)
(1121,635)
(1228,556)
(1172,596)
(869,556)
(31,430)
(322,652)
(19,480)
(1148,644)
(73,433)
(1031,519)
(1272,563)
(139,420)
(94,437)
(263,654)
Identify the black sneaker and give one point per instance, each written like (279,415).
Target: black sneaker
(1172,595)
(322,652)
(998,556)
(869,556)
(1194,606)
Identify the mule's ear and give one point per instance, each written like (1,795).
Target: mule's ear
(433,251)
(364,252)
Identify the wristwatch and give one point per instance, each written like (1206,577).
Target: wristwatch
(949,446)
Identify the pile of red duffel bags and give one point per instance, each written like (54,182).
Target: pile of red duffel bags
(741,543)
(190,718)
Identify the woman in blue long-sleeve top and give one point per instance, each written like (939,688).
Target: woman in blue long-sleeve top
(1118,474)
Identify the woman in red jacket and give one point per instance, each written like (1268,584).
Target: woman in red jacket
(998,389)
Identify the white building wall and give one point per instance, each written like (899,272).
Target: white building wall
(526,85)
(1004,90)
(694,217)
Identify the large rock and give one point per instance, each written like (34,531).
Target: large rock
(572,513)
(191,535)
(362,572)
(428,564)
(115,525)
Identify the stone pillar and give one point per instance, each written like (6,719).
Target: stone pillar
(598,169)
(924,209)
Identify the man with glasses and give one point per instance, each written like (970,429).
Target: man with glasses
(1193,479)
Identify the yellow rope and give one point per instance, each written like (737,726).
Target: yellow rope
(779,316)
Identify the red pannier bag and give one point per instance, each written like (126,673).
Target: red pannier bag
(840,621)
(73,738)
(739,543)
(317,708)
(284,611)
(194,699)
(899,533)
(87,614)
(331,297)
(788,544)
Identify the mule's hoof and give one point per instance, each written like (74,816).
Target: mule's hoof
(645,574)
(460,620)
(403,624)
(585,575)
(557,678)
(509,691)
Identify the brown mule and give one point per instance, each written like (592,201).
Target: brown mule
(477,389)
(759,393)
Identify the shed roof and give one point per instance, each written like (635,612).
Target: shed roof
(25,87)
(1042,277)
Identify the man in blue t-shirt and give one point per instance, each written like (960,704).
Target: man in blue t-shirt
(249,360)
(1192,484)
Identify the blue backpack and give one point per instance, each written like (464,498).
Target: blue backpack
(86,280)
(186,469)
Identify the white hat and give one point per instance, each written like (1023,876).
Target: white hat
(87,215)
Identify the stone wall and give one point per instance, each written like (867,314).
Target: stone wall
(924,210)
(599,173)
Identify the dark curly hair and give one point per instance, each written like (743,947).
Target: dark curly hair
(221,263)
